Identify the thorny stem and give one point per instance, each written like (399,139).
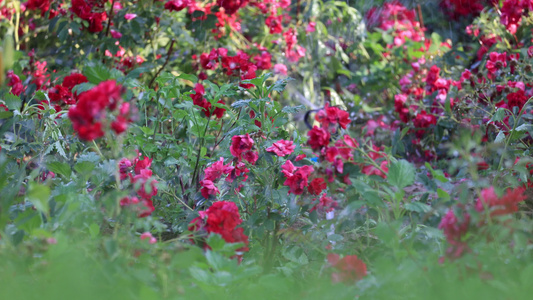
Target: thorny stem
(110,18)
(420,18)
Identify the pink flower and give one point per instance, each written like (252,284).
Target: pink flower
(496,62)
(311,27)
(280,69)
(142,164)
(454,231)
(316,186)
(208,188)
(511,15)
(325,203)
(507,204)
(274,24)
(130,16)
(318,138)
(15,83)
(372,170)
(115,34)
(149,236)
(300,157)
(176,5)
(217,169)
(143,207)
(332,115)
(296,177)
(251,157)
(282,148)
(147,186)
(241,144)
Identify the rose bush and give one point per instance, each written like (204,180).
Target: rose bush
(267,149)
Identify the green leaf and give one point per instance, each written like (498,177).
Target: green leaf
(189,77)
(135,73)
(216,242)
(99,73)
(38,195)
(443,194)
(171,161)
(280,85)
(84,167)
(60,168)
(240,103)
(94,230)
(12,102)
(498,116)
(293,109)
(500,137)
(401,173)
(28,220)
(418,207)
(60,149)
(83,87)
(5,114)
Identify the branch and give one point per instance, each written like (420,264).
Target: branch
(110,18)
(169,53)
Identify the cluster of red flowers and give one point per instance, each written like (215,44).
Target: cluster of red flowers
(137,171)
(92,109)
(395,17)
(349,268)
(512,12)
(498,206)
(331,119)
(221,218)
(61,94)
(231,6)
(296,177)
(226,17)
(455,229)
(241,149)
(121,60)
(496,62)
(275,21)
(241,64)
(15,83)
(461,8)
(92,11)
(36,73)
(411,104)
(212,174)
(324,203)
(199,100)
(44,6)
(177,5)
